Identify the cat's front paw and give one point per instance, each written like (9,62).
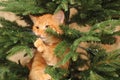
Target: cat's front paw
(39,45)
(40,49)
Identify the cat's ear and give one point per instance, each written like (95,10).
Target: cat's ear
(33,18)
(59,16)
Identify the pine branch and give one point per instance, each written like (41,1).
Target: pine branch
(56,73)
(12,39)
(107,63)
(95,76)
(61,48)
(22,7)
(12,71)
(13,35)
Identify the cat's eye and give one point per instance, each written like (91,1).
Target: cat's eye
(37,27)
(47,26)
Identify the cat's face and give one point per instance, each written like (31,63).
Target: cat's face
(41,23)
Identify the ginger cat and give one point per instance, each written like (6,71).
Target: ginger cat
(45,44)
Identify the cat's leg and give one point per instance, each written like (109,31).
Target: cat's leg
(38,68)
(37,74)
(39,45)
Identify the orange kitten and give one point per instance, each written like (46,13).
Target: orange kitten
(45,44)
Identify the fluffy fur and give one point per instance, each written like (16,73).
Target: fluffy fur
(45,44)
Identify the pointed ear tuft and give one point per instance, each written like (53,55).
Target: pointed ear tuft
(59,16)
(33,18)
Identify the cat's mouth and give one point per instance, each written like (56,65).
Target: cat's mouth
(43,38)
(46,40)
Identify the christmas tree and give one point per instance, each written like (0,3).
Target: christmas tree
(102,15)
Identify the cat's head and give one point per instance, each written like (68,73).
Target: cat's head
(41,23)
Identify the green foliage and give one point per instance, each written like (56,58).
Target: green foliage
(102,15)
(61,48)
(14,38)
(106,27)
(110,62)
(52,32)
(12,71)
(18,48)
(83,39)
(22,7)
(69,33)
(94,11)
(56,73)
(104,65)
(89,11)
(106,31)
(94,76)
